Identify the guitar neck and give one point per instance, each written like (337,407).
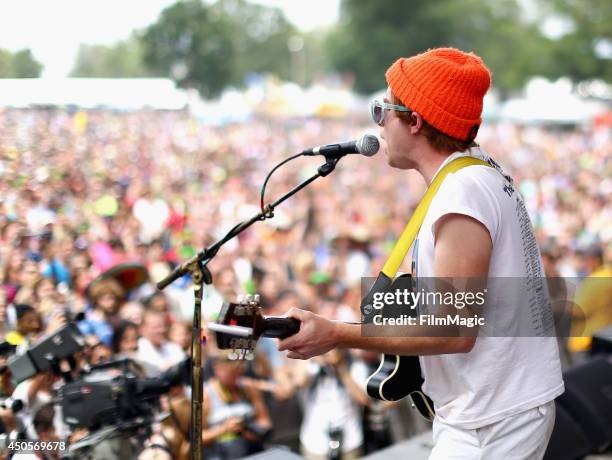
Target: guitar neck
(280,327)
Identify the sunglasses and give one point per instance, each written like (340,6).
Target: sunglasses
(378,108)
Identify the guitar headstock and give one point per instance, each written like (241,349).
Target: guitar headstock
(245,313)
(241,324)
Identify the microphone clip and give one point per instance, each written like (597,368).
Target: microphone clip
(329,165)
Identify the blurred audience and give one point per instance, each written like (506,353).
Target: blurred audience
(81,192)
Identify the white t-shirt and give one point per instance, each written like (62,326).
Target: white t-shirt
(502,375)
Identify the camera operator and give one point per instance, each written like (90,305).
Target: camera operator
(34,393)
(43,424)
(32,417)
(333,393)
(99,352)
(235,420)
(28,325)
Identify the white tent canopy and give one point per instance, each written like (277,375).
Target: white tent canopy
(548,102)
(116,93)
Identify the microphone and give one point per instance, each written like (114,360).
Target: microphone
(366,145)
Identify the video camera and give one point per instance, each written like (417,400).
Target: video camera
(102,397)
(47,353)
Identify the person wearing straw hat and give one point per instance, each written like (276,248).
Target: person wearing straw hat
(493,395)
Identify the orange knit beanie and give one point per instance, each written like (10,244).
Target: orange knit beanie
(446,86)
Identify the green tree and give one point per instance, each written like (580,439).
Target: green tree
(122,60)
(260,36)
(6,64)
(210,46)
(578,52)
(316,58)
(372,35)
(25,66)
(20,64)
(191,44)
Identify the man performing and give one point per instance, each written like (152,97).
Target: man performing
(493,396)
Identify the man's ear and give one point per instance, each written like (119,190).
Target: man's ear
(416,122)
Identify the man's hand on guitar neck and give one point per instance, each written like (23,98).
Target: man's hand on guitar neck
(317,336)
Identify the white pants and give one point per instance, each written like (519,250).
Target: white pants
(523,436)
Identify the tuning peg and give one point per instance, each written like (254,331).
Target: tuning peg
(240,299)
(250,355)
(249,298)
(256,298)
(233,356)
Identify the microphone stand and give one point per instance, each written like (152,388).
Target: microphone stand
(197,268)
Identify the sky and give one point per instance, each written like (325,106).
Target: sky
(54,29)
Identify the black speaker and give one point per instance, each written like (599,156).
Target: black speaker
(568,441)
(588,400)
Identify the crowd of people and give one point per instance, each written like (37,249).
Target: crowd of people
(84,191)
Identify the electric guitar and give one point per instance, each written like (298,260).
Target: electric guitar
(397,376)
(241,324)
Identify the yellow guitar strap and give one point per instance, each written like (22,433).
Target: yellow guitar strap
(407,237)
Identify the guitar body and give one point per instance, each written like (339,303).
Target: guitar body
(398,377)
